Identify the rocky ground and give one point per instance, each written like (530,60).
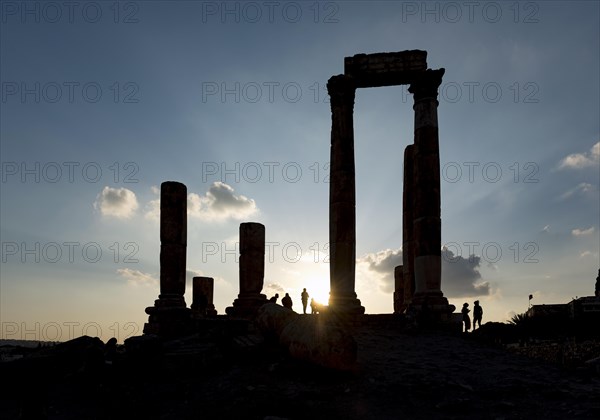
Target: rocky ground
(398,375)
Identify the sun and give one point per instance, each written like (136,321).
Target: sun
(318,289)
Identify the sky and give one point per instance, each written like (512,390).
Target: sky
(103,101)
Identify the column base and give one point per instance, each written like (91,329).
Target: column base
(399,305)
(349,305)
(169,317)
(432,306)
(209,312)
(246,306)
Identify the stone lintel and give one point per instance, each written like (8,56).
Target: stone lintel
(385,69)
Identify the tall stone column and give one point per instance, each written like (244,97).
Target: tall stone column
(252,271)
(399,289)
(408,239)
(169,315)
(427,209)
(342,198)
(202,292)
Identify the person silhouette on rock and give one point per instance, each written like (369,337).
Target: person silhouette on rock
(304,296)
(477,314)
(286,301)
(465,316)
(274,298)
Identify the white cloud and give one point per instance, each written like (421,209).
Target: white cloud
(546,228)
(583,232)
(152,210)
(582,160)
(586,254)
(116,202)
(583,188)
(381,265)
(137,278)
(460,276)
(218,204)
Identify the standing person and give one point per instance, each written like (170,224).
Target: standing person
(304,296)
(466,318)
(286,301)
(477,314)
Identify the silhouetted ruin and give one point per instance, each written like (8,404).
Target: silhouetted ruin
(202,292)
(169,316)
(252,271)
(421,220)
(417,281)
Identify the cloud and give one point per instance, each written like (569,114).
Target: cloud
(546,228)
(583,232)
(583,188)
(218,204)
(116,202)
(582,160)
(190,274)
(381,265)
(137,278)
(586,254)
(274,288)
(460,276)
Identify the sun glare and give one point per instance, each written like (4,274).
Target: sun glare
(318,289)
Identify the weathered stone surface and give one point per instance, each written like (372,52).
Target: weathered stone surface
(252,258)
(173,237)
(308,337)
(408,240)
(252,271)
(342,197)
(385,69)
(399,289)
(202,292)
(169,316)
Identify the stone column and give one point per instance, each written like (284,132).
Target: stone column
(427,209)
(252,271)
(398,289)
(202,291)
(342,198)
(169,315)
(408,240)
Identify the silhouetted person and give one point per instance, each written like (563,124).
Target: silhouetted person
(477,314)
(313,307)
(304,297)
(274,298)
(466,318)
(286,301)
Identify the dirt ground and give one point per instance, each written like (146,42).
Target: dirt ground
(398,376)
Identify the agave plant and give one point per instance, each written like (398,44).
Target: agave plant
(518,319)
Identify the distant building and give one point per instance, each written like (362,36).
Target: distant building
(550,310)
(587,308)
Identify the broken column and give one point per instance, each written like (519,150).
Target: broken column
(202,292)
(342,198)
(169,316)
(398,290)
(408,239)
(252,271)
(427,208)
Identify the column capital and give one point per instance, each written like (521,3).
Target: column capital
(426,85)
(341,89)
